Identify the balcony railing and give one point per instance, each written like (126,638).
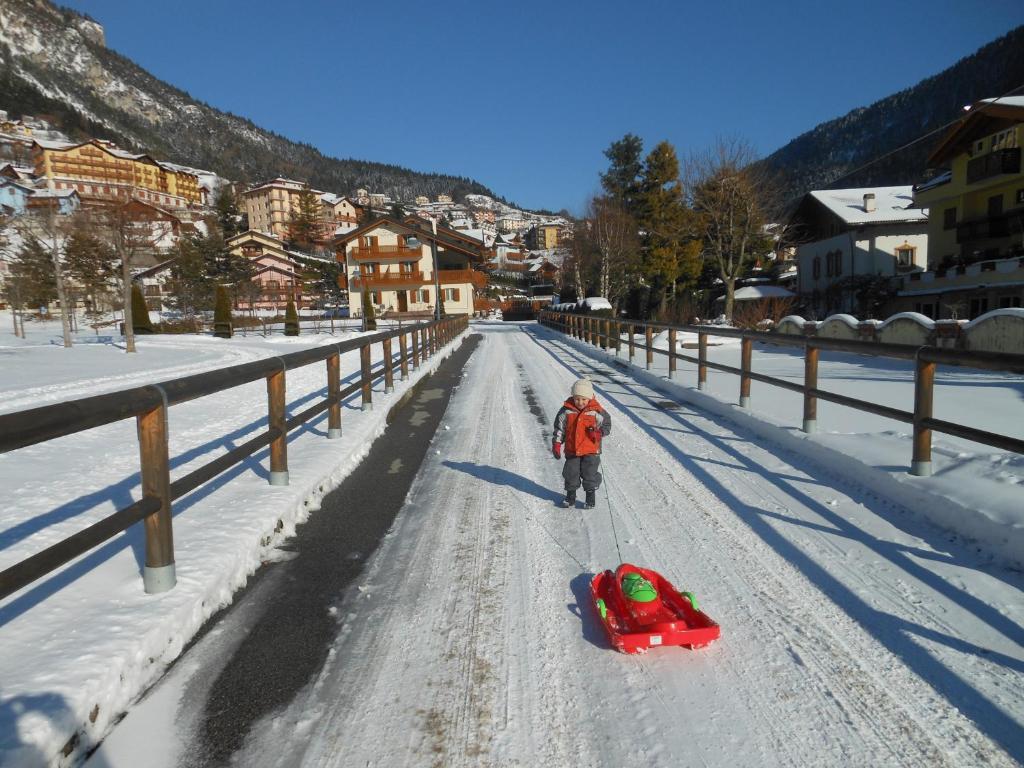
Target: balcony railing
(449,276)
(390,279)
(993,164)
(372,253)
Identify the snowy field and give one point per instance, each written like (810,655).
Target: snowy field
(856,631)
(87,636)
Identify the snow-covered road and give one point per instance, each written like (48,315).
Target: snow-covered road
(852,633)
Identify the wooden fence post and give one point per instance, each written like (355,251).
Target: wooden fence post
(389,367)
(811,354)
(367,390)
(276,421)
(334,397)
(414,348)
(606,335)
(632,344)
(649,342)
(924,391)
(702,358)
(403,355)
(671,352)
(158,575)
(746,350)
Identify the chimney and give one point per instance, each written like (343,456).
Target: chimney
(869,202)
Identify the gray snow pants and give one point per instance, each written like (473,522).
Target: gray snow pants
(585,467)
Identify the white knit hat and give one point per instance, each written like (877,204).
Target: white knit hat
(583,388)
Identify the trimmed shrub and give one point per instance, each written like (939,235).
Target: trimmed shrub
(291,320)
(222,314)
(140,312)
(369,316)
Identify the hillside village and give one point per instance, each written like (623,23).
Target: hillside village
(311,247)
(948,249)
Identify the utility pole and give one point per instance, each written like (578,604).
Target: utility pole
(58,272)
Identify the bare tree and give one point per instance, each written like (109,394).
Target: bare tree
(133,229)
(617,245)
(734,202)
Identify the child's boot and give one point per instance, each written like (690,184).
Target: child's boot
(570,499)
(591,499)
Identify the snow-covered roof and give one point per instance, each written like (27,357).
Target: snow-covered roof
(938,181)
(762,292)
(596,302)
(892,204)
(1010,101)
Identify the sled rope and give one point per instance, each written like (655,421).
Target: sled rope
(611,516)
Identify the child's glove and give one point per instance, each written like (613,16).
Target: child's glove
(556,449)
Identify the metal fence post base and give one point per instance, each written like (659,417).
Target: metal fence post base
(159,579)
(404,377)
(701,386)
(810,426)
(921,468)
(334,434)
(367,406)
(744,402)
(388,390)
(279,477)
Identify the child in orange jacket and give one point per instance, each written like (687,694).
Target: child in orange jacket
(581,424)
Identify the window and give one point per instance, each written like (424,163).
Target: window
(978,307)
(995,205)
(905,255)
(407,267)
(1008,302)
(451,294)
(152,290)
(926,308)
(816,267)
(837,268)
(1020,196)
(949,218)
(425,296)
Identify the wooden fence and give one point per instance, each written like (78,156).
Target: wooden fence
(607,333)
(149,405)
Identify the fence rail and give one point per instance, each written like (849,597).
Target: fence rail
(607,333)
(149,404)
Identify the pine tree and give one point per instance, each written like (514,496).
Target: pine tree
(90,262)
(140,312)
(193,288)
(33,268)
(291,319)
(622,182)
(303,229)
(228,216)
(222,314)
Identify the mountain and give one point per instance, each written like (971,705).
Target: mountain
(829,156)
(54,64)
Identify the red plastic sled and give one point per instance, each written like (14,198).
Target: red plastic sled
(640,609)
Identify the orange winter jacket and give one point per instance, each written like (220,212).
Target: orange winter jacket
(581,429)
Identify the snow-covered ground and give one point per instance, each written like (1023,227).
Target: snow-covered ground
(855,631)
(80,644)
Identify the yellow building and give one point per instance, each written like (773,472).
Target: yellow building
(100,172)
(542,237)
(976,217)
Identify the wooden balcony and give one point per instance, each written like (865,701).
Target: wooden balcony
(391,280)
(449,276)
(379,252)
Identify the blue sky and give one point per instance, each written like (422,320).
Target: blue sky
(525,96)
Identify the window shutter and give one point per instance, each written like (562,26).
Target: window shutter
(455,294)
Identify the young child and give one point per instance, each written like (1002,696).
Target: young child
(581,424)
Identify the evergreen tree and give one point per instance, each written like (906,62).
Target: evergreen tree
(666,223)
(90,262)
(222,314)
(291,319)
(228,216)
(33,268)
(140,312)
(193,287)
(303,229)
(622,182)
